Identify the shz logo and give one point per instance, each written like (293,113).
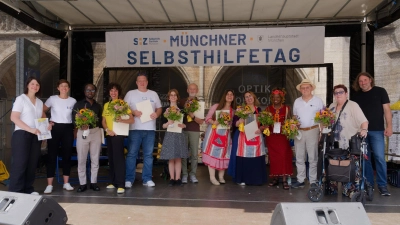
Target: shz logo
(140,41)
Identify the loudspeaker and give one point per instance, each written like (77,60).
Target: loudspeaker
(26,209)
(320,213)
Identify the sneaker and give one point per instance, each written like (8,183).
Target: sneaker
(120,191)
(48,189)
(184,179)
(110,186)
(128,184)
(242,184)
(314,185)
(384,191)
(193,179)
(34,193)
(297,184)
(68,187)
(149,183)
(171,182)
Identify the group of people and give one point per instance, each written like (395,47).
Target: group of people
(222,149)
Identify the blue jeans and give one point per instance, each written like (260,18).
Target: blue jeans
(146,139)
(376,144)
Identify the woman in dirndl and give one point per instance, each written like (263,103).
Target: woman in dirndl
(217,141)
(279,150)
(174,146)
(248,167)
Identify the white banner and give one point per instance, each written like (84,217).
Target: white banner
(228,47)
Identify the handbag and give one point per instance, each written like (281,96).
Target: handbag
(355,144)
(342,170)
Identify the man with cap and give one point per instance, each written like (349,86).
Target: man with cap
(305,108)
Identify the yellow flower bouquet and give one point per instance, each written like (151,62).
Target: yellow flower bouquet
(325,117)
(85,117)
(243,112)
(290,128)
(224,119)
(173,113)
(266,119)
(118,107)
(191,106)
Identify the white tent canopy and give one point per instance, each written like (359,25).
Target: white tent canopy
(111,14)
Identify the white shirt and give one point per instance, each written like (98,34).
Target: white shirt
(29,112)
(136,96)
(306,110)
(61,109)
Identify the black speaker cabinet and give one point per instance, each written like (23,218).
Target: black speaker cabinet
(346,213)
(26,209)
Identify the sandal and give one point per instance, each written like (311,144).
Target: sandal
(285,185)
(274,182)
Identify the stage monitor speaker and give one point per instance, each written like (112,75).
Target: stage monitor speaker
(26,209)
(346,213)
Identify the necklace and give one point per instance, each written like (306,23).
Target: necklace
(276,116)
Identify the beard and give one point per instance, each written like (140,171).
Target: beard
(192,94)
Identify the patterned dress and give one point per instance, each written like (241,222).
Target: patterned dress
(217,144)
(174,145)
(249,164)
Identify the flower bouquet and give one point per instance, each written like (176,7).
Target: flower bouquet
(85,117)
(266,119)
(173,113)
(118,108)
(191,106)
(290,128)
(325,117)
(243,112)
(224,119)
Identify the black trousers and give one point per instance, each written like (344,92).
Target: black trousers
(24,160)
(61,133)
(116,160)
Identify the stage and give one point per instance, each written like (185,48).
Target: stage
(201,203)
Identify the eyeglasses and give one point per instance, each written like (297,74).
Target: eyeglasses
(89,90)
(338,93)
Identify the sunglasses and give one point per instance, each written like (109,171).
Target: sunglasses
(89,90)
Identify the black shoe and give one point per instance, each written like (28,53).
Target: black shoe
(82,188)
(297,184)
(94,187)
(178,182)
(171,183)
(384,191)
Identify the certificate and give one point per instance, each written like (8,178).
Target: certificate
(121,128)
(200,112)
(250,130)
(174,127)
(42,124)
(217,112)
(146,109)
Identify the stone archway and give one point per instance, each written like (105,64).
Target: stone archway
(268,77)
(49,70)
